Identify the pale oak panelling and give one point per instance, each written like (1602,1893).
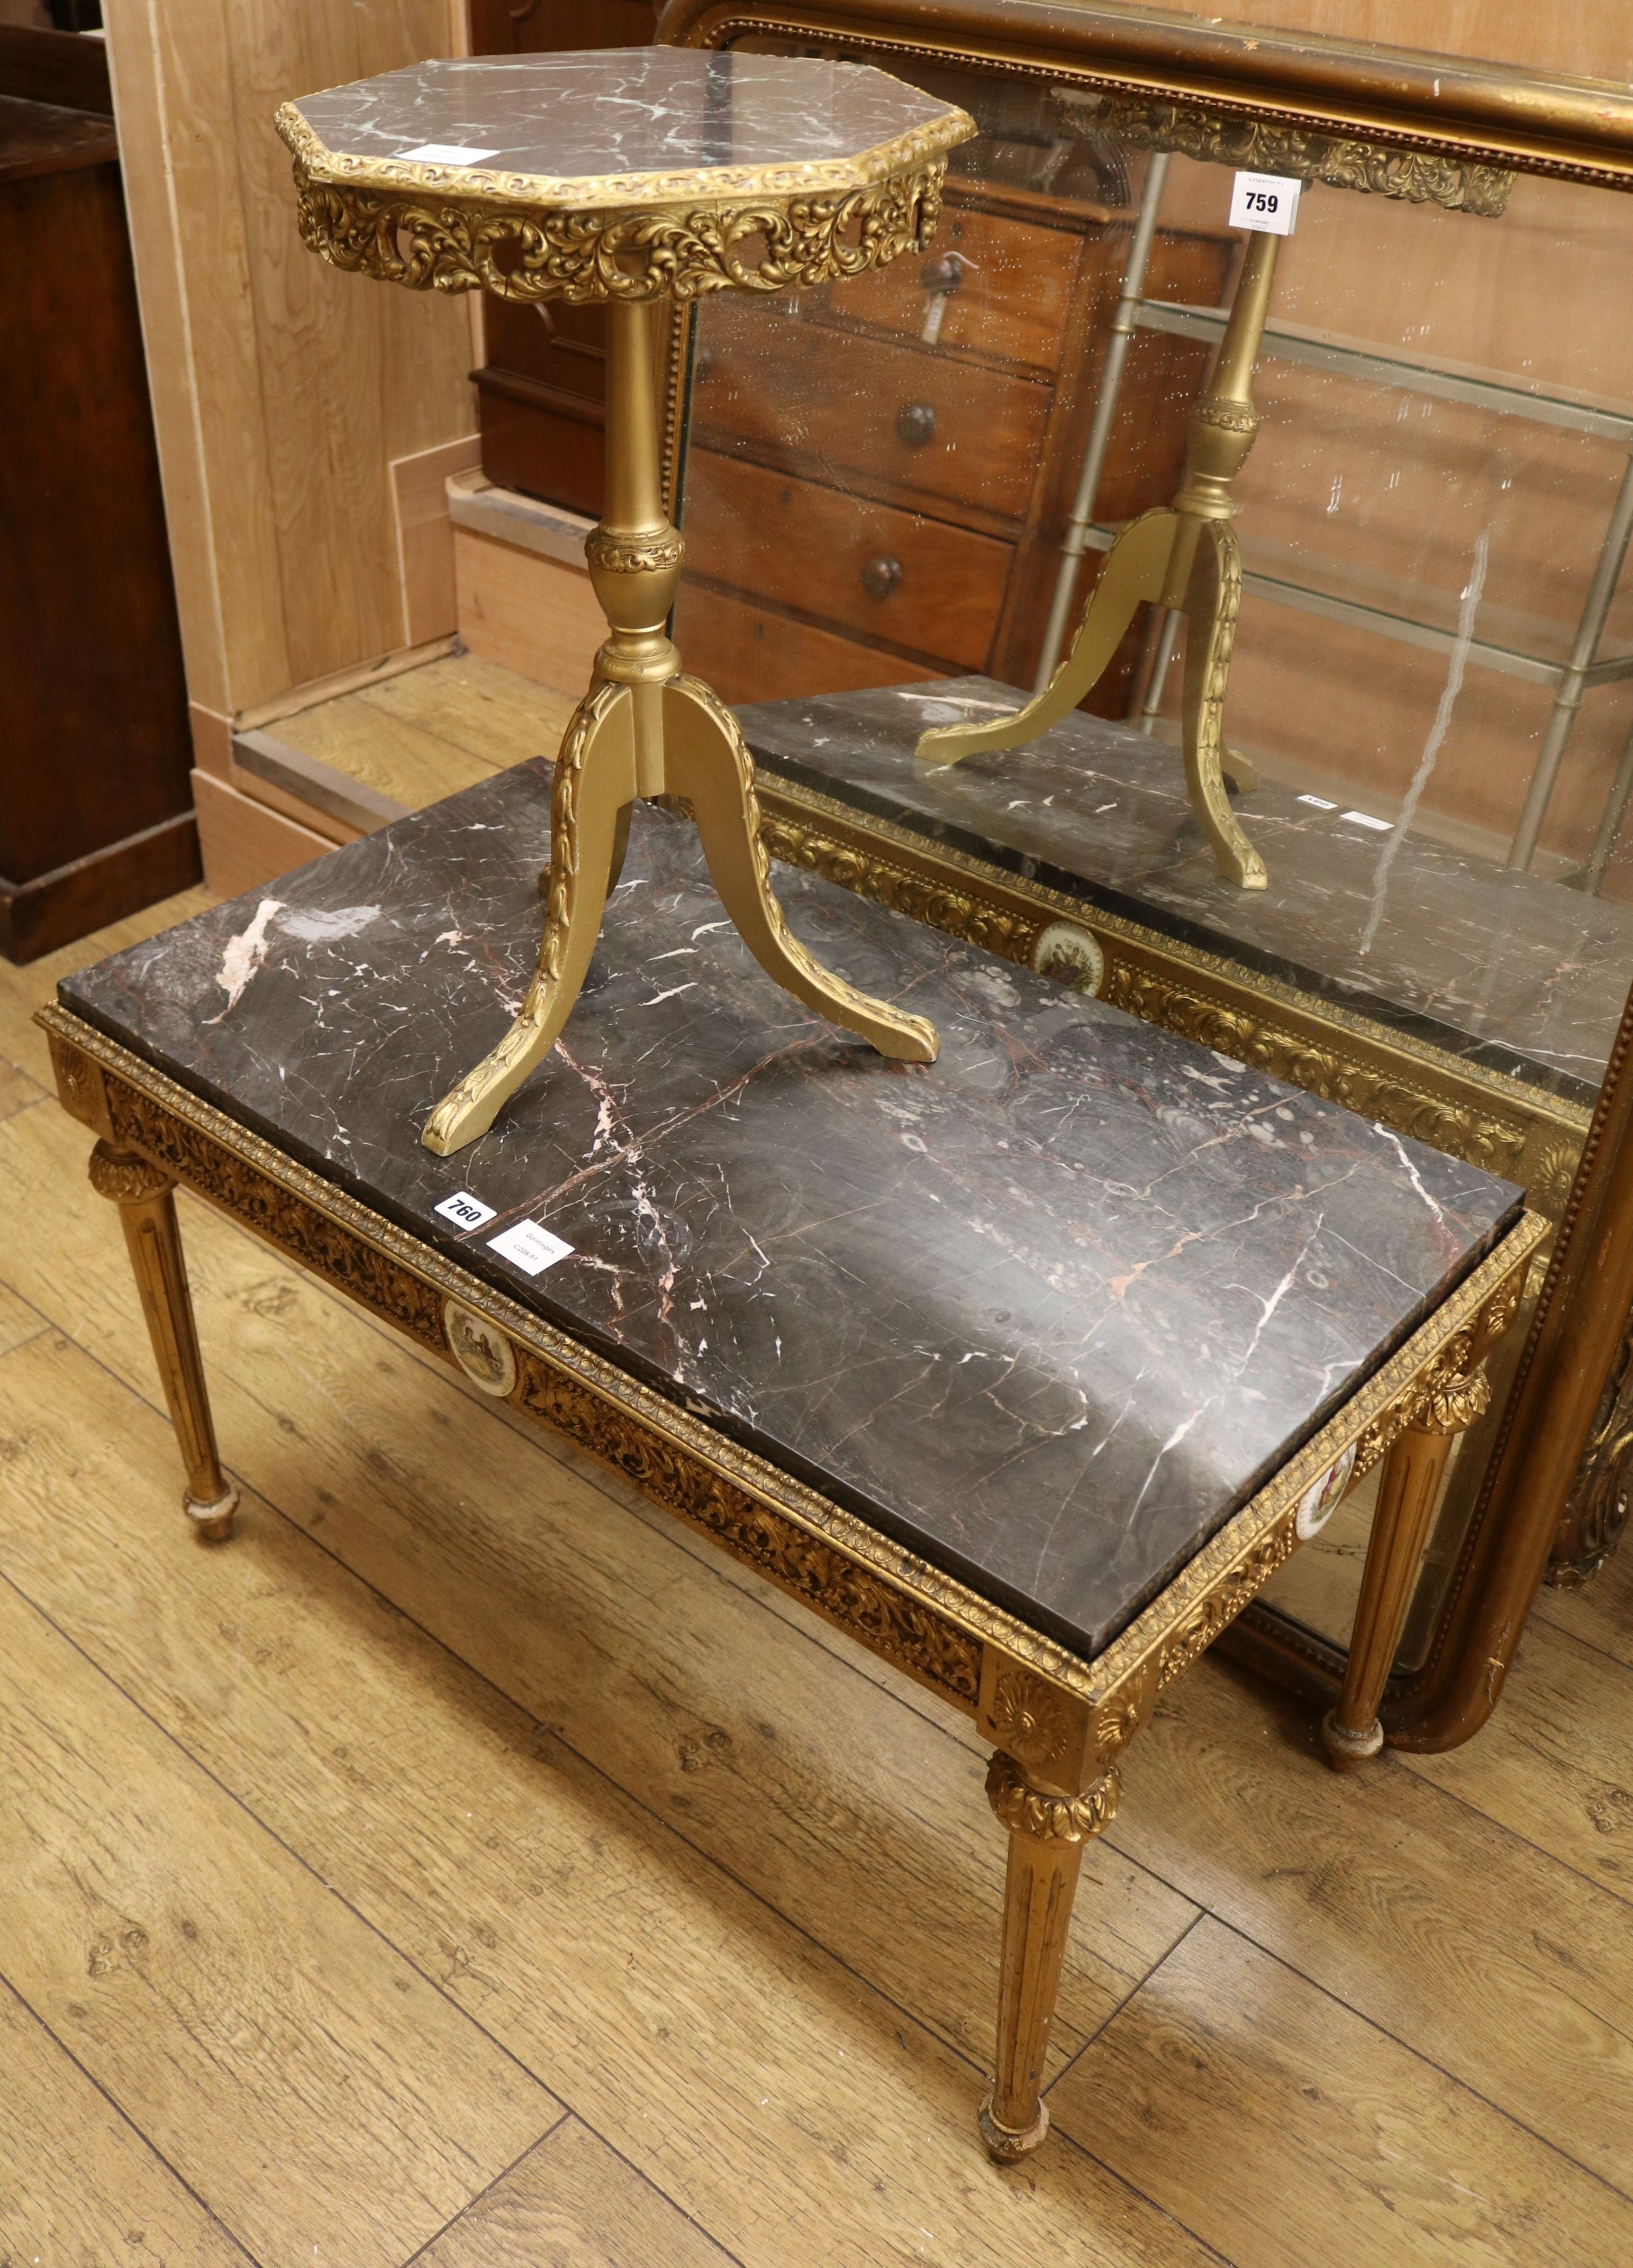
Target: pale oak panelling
(283,2059)
(793,2111)
(1288,2132)
(77,2182)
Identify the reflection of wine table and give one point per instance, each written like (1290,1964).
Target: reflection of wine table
(1027,1368)
(1493,970)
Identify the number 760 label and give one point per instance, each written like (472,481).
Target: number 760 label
(1266,202)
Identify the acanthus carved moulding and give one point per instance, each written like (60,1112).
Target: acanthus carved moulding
(1027,1810)
(125,1178)
(1265,146)
(623,554)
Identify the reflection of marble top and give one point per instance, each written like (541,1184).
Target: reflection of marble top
(620,126)
(1047,1311)
(1502,967)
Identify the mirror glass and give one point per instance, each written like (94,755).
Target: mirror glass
(898,497)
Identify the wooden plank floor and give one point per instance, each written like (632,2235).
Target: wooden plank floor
(464,1866)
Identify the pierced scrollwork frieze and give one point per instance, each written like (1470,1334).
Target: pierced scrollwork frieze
(429,243)
(1495,1144)
(887,1621)
(1267,146)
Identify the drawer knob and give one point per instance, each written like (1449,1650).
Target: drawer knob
(880,577)
(915,423)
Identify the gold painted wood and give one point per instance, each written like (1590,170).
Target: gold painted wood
(1047,1836)
(1449,1399)
(633,241)
(365,2111)
(1228,2061)
(1468,111)
(645,730)
(147,1214)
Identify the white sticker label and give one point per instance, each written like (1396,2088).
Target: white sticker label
(1365,818)
(463,1210)
(1266,202)
(1320,801)
(445,154)
(530,1247)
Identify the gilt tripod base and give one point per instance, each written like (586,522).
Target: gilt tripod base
(1139,568)
(644,729)
(673,738)
(1184,556)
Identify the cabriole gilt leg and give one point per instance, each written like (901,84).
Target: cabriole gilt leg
(1047,1836)
(1134,572)
(704,761)
(594,785)
(1410,1487)
(147,1212)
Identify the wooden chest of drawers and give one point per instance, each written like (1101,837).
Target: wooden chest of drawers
(878,473)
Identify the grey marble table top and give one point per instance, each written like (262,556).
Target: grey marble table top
(1505,968)
(1049,1310)
(624,126)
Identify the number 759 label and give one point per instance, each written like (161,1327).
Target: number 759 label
(1266,202)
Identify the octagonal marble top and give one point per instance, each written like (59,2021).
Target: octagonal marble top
(621,126)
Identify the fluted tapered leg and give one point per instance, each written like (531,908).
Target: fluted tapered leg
(1406,1497)
(143,1194)
(1047,1836)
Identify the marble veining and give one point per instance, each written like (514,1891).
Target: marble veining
(1505,968)
(1047,1310)
(644,120)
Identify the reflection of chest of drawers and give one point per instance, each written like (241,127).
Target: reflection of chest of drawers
(879,472)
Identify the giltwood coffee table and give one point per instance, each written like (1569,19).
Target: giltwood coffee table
(1027,1368)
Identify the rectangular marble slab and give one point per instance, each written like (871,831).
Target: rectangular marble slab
(1049,1310)
(1502,967)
